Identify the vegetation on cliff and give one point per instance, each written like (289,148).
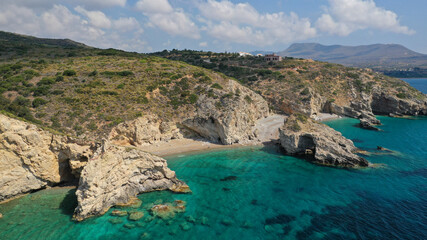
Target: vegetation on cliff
(298,84)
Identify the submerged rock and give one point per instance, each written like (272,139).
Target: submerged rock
(204,221)
(163,211)
(185,226)
(129,225)
(133,203)
(135,216)
(115,220)
(119,213)
(116,175)
(229,178)
(321,144)
(145,236)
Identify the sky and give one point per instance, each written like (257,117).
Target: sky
(219,25)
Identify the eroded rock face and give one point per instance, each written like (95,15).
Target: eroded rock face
(323,145)
(144,130)
(117,174)
(32,159)
(230,119)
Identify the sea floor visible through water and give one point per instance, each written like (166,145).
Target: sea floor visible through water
(259,193)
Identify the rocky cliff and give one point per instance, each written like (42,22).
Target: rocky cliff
(232,119)
(318,143)
(117,174)
(32,158)
(227,119)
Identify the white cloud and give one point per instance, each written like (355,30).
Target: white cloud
(203,44)
(99,4)
(96,18)
(242,23)
(346,16)
(154,6)
(91,27)
(173,21)
(127,24)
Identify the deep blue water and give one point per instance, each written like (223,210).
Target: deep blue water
(418,83)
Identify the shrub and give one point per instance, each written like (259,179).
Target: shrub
(59,78)
(205,79)
(111,93)
(193,98)
(217,86)
(125,73)
(401,95)
(121,86)
(93,73)
(305,91)
(301,117)
(248,99)
(57,92)
(295,127)
(69,73)
(38,102)
(46,81)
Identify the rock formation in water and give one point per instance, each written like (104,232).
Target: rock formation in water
(319,143)
(32,158)
(117,174)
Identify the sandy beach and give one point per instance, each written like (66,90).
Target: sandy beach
(185,146)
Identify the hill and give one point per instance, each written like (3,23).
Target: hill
(85,92)
(381,57)
(312,87)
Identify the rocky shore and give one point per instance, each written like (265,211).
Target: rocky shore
(320,144)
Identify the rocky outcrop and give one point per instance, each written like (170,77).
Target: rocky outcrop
(319,143)
(383,103)
(144,130)
(380,99)
(117,174)
(230,118)
(32,158)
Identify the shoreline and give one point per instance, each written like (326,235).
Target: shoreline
(189,146)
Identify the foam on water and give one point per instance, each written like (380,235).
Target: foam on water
(258,193)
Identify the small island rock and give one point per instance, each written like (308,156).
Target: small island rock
(322,145)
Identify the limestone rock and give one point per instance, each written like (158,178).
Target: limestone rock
(228,119)
(144,130)
(321,144)
(32,158)
(117,174)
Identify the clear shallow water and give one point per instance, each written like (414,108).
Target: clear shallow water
(263,195)
(418,83)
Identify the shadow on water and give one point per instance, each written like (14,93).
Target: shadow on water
(69,203)
(272,147)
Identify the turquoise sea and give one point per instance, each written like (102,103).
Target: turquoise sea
(259,193)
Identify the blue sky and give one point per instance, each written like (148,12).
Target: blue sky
(219,25)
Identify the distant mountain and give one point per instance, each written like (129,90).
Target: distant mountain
(256,52)
(377,56)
